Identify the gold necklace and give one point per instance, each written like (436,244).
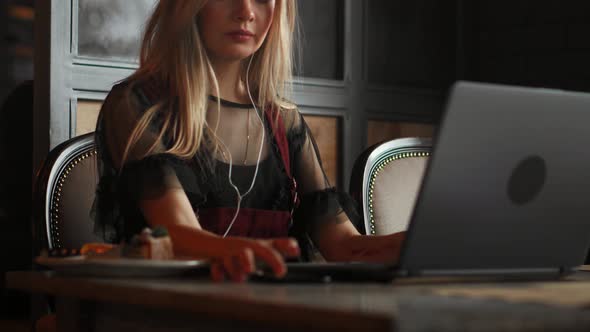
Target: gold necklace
(247,137)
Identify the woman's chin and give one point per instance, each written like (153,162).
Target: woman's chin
(235,54)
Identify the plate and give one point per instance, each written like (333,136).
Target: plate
(121,267)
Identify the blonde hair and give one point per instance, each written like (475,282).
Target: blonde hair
(173,54)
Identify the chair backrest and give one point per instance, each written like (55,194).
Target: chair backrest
(64,193)
(386,180)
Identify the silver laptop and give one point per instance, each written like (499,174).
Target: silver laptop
(506,191)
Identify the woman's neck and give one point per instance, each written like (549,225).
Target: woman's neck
(230,86)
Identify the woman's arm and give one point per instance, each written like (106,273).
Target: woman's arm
(338,240)
(232,257)
(331,230)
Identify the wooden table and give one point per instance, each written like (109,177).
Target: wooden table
(186,304)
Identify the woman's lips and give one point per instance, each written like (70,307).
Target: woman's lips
(240,35)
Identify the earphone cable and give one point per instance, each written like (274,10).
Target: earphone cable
(237,190)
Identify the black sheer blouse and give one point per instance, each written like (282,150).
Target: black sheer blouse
(204,178)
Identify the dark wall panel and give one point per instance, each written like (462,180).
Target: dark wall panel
(411,43)
(534,43)
(322,24)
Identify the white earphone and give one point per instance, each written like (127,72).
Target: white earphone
(237,190)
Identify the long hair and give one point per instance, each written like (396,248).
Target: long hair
(173,53)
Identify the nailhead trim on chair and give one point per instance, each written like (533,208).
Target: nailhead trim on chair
(56,201)
(374,175)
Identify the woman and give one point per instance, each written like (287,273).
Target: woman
(200,140)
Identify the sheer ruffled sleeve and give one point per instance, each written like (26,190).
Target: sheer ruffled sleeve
(320,201)
(146,173)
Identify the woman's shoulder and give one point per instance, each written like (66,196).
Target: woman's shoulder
(116,103)
(118,98)
(148,90)
(131,97)
(290,115)
(122,112)
(118,92)
(141,93)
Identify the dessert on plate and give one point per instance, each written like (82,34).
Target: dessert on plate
(149,244)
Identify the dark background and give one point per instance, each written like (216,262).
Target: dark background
(16,66)
(425,44)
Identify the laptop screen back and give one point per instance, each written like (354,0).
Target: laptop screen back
(508,184)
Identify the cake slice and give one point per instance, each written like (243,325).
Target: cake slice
(149,244)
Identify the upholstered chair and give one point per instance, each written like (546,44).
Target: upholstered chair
(64,193)
(385,182)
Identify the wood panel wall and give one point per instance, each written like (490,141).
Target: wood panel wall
(86,116)
(327,132)
(379,131)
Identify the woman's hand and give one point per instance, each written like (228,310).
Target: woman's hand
(378,249)
(340,241)
(232,257)
(237,259)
